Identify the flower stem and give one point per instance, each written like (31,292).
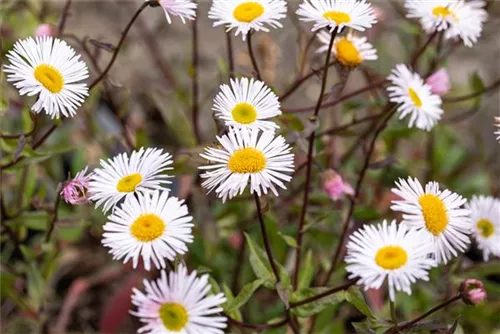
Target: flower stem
(309,164)
(64,16)
(120,43)
(230,58)
(267,244)
(392,308)
(252,56)
(410,324)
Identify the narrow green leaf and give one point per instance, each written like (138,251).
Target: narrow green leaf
(230,298)
(35,286)
(316,306)
(290,241)
(258,261)
(33,220)
(354,296)
(262,268)
(244,295)
(307,273)
(28,253)
(6,283)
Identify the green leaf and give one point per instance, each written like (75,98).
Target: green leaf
(28,253)
(230,299)
(362,328)
(316,306)
(258,261)
(6,283)
(262,268)
(34,220)
(307,273)
(35,286)
(71,233)
(476,83)
(372,325)
(289,240)
(244,295)
(354,296)
(215,286)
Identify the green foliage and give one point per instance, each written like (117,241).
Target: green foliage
(317,306)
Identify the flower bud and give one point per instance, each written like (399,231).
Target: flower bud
(335,186)
(439,82)
(45,29)
(75,190)
(473,291)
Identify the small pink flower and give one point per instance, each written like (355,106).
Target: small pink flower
(335,186)
(473,291)
(45,29)
(439,82)
(75,190)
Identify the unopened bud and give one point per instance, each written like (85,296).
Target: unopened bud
(473,291)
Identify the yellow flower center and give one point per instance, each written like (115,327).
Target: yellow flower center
(347,53)
(244,113)
(248,11)
(443,12)
(485,227)
(247,160)
(414,97)
(391,257)
(147,227)
(127,184)
(337,17)
(49,77)
(174,316)
(434,212)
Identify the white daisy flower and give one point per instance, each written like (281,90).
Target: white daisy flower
(151,225)
(415,98)
(254,157)
(246,104)
(185,9)
(349,50)
(485,215)
(49,68)
(439,214)
(398,253)
(497,124)
(178,303)
(457,18)
(124,176)
(355,14)
(248,15)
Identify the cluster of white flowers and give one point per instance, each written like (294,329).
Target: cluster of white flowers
(146,224)
(435,228)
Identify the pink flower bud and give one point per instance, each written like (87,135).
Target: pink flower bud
(439,82)
(473,291)
(235,240)
(335,186)
(75,190)
(45,29)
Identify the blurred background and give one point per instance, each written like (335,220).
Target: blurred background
(72,284)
